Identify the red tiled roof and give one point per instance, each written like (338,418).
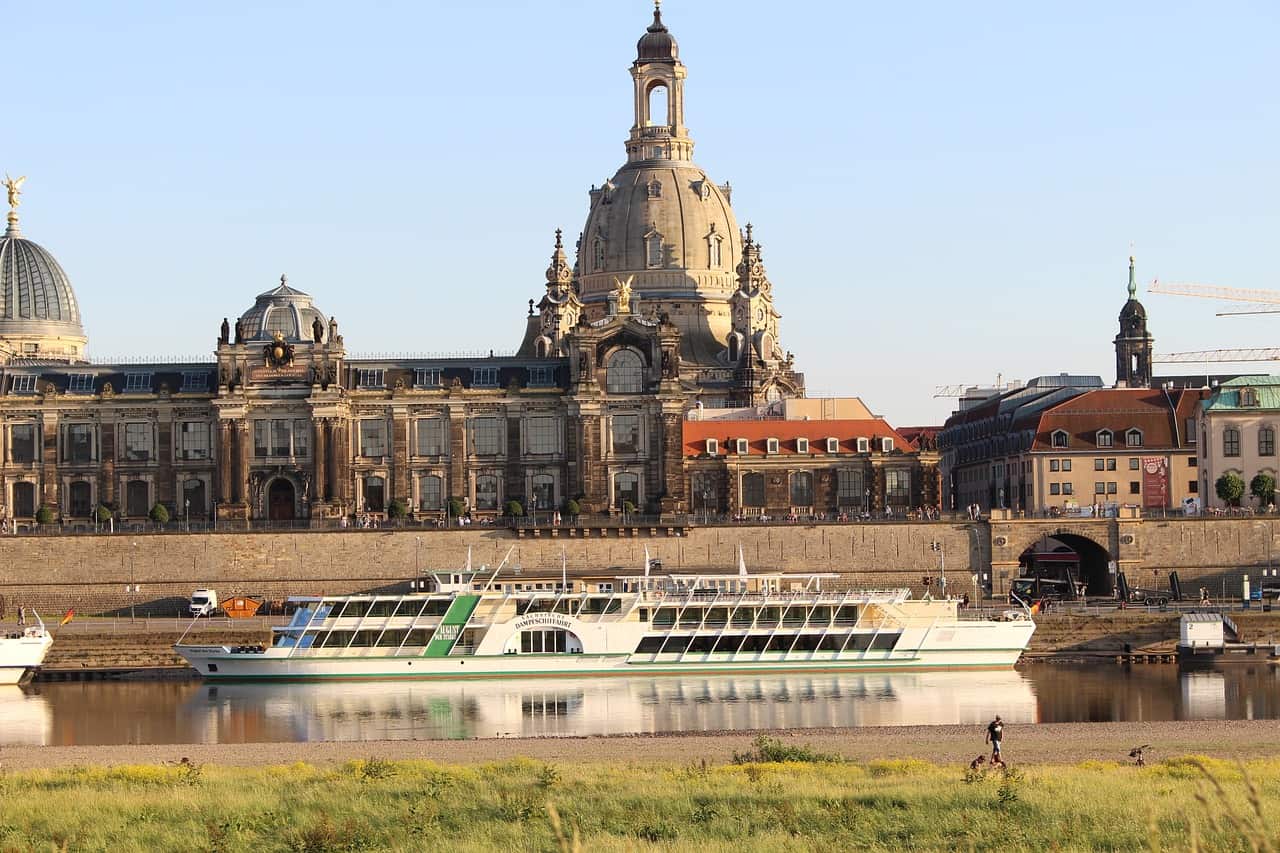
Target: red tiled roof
(847,432)
(1119,410)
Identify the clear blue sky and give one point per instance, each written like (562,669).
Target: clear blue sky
(945,192)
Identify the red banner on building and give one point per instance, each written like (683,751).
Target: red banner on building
(1155,482)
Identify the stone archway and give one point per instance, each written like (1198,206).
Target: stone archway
(282,500)
(1084,559)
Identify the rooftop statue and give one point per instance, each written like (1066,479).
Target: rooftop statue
(14,186)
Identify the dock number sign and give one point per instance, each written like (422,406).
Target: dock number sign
(1155,481)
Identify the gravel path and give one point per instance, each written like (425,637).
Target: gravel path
(1046,743)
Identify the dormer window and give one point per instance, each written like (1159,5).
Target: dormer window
(886,445)
(138,383)
(833,445)
(864,445)
(1105,438)
(370,378)
(802,445)
(80,383)
(195,381)
(1249,397)
(1059,438)
(484,377)
(427,377)
(713,447)
(24,384)
(1133,438)
(771,445)
(741,447)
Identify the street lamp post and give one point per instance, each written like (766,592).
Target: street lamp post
(186,513)
(706,497)
(866,504)
(417,552)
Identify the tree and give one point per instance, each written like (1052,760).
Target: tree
(160,513)
(572,508)
(1230,488)
(455,507)
(1263,487)
(45,515)
(397,509)
(103,513)
(628,508)
(514,509)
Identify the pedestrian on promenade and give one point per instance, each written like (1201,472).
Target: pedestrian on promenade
(22,616)
(995,735)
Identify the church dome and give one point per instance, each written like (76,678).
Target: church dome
(281,309)
(39,315)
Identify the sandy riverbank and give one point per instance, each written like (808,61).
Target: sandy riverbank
(1048,743)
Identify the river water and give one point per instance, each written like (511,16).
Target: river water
(107,712)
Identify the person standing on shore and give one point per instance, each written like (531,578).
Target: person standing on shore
(995,734)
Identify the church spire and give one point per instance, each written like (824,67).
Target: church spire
(559,273)
(659,132)
(1133,281)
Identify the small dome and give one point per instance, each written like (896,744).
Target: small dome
(284,310)
(657,41)
(38,310)
(1133,310)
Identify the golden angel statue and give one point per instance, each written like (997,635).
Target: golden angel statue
(624,294)
(14,186)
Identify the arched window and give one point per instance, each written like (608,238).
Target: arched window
(540,347)
(733,349)
(1231,442)
(486,492)
(624,373)
(753,490)
(653,249)
(802,489)
(657,107)
(772,394)
(626,490)
(1266,441)
(375,494)
(714,244)
(1105,438)
(24,500)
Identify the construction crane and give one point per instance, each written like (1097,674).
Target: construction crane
(1263,301)
(1212,356)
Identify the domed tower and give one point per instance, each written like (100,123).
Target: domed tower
(1134,344)
(285,310)
(39,317)
(661,220)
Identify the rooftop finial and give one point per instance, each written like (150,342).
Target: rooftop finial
(1133,280)
(657,26)
(14,186)
(284,280)
(559,244)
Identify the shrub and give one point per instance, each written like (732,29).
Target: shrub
(159,514)
(456,507)
(102,514)
(45,515)
(772,750)
(397,509)
(628,507)
(514,509)
(572,507)
(1230,488)
(1263,487)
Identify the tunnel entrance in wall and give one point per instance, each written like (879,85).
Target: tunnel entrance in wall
(1056,556)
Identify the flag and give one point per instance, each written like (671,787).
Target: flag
(1035,608)
(742,563)
(70,614)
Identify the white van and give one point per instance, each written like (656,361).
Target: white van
(203,602)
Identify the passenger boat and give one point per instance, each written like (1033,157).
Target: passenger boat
(23,651)
(467,624)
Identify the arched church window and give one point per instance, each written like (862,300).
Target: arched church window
(624,373)
(597,254)
(654,188)
(653,249)
(733,348)
(657,108)
(715,245)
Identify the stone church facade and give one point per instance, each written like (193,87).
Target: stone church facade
(667,309)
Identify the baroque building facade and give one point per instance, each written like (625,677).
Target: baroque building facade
(666,310)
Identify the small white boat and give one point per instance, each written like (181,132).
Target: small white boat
(23,651)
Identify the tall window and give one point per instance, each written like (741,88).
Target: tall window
(626,490)
(429,492)
(193,440)
(544,492)
(486,436)
(137,495)
(486,492)
(715,245)
(373,437)
(597,254)
(802,489)
(1231,442)
(897,486)
(282,437)
(79,444)
(375,494)
(849,487)
(626,433)
(22,443)
(706,491)
(193,498)
(753,490)
(24,500)
(541,435)
(80,503)
(624,373)
(653,249)
(137,442)
(301,437)
(1266,441)
(430,437)
(262,438)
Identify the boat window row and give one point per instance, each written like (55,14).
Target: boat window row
(730,643)
(391,639)
(570,606)
(747,616)
(385,608)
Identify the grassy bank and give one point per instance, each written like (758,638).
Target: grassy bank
(806,803)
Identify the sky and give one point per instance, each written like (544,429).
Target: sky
(946,193)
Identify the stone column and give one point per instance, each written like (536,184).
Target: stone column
(242,462)
(320,449)
(225,474)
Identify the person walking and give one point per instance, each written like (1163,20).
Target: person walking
(22,616)
(995,735)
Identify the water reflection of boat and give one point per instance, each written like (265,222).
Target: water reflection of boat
(25,717)
(344,711)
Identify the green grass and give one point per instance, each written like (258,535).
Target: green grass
(1179,804)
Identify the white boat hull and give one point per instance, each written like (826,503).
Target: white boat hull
(22,654)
